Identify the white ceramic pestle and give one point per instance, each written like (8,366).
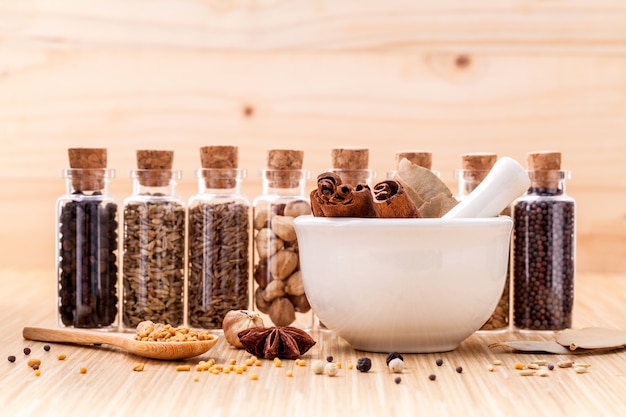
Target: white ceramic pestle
(506,181)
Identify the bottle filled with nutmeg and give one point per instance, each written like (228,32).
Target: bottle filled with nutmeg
(474,169)
(87,244)
(154,243)
(279,292)
(544,248)
(218,230)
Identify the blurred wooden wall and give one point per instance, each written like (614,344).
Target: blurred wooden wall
(451,76)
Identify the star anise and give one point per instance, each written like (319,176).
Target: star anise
(276,342)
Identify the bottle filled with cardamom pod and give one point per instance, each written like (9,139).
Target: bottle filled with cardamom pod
(154,243)
(218,240)
(474,169)
(279,292)
(544,238)
(87,244)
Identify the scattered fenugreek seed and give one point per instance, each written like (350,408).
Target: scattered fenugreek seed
(196,379)
(26,351)
(82,370)
(439,362)
(32,362)
(277,362)
(289,373)
(232,361)
(138,367)
(364,364)
(11,358)
(37,372)
(257,362)
(432,377)
(331,369)
(249,362)
(46,348)
(459,369)
(396,365)
(350,365)
(302,362)
(183,368)
(254,376)
(61,356)
(519,365)
(397,380)
(339,365)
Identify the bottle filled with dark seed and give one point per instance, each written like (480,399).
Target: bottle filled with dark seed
(475,167)
(279,292)
(544,248)
(218,240)
(87,244)
(154,244)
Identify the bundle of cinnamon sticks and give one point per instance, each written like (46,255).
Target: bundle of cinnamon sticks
(333,198)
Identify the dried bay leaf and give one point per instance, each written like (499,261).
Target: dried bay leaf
(431,196)
(592,338)
(544,346)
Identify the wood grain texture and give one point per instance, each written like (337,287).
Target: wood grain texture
(506,77)
(110,387)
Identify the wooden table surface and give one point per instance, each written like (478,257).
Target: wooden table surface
(111,388)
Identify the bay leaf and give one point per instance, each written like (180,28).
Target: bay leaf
(592,338)
(545,346)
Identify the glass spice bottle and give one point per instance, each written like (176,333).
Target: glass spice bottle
(87,244)
(475,167)
(352,165)
(154,243)
(279,292)
(420,158)
(544,248)
(218,240)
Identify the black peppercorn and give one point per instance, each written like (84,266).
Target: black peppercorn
(439,362)
(459,369)
(432,377)
(11,358)
(26,351)
(364,364)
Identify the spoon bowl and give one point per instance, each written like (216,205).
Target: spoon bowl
(153,350)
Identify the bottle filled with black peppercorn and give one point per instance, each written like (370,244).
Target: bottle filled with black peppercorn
(218,240)
(279,292)
(475,167)
(544,248)
(154,244)
(87,244)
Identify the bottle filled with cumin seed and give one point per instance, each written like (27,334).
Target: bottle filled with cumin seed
(154,243)
(87,244)
(474,169)
(544,248)
(218,240)
(279,293)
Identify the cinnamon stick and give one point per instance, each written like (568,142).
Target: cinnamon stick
(332,198)
(391,201)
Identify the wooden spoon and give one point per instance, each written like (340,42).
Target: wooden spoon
(154,350)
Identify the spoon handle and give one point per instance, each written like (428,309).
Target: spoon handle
(81,337)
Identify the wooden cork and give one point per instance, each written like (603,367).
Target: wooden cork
(420,158)
(475,167)
(221,161)
(351,164)
(284,168)
(544,167)
(90,165)
(155,167)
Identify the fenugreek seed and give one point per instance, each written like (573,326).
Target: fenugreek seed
(527,372)
(32,362)
(249,362)
(257,362)
(61,356)
(232,361)
(519,365)
(302,362)
(196,379)
(277,362)
(350,366)
(239,370)
(490,368)
(138,367)
(82,370)
(183,368)
(37,372)
(289,373)
(254,376)
(565,364)
(339,365)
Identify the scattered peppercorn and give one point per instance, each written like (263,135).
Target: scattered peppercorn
(11,358)
(432,377)
(26,351)
(551,366)
(392,356)
(459,369)
(46,348)
(364,364)
(397,380)
(329,358)
(439,362)
(35,367)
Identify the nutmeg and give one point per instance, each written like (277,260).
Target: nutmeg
(267,243)
(282,312)
(237,320)
(283,263)
(283,227)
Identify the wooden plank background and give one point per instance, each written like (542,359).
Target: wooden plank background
(449,77)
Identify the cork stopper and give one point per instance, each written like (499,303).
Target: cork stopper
(284,168)
(474,169)
(155,167)
(222,161)
(545,168)
(91,164)
(350,158)
(420,158)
